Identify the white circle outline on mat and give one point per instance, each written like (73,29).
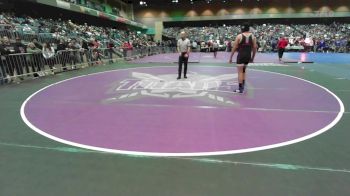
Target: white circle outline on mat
(139,153)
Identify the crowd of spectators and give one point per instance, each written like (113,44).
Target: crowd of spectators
(333,37)
(61,40)
(60,29)
(96,6)
(54,31)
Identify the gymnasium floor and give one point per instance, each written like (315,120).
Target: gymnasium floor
(285,136)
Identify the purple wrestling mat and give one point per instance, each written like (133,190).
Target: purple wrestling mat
(146,111)
(168,58)
(202,57)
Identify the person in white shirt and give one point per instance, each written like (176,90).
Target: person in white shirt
(49,53)
(194,45)
(183,47)
(215,48)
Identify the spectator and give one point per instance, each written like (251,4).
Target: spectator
(37,44)
(111,50)
(96,54)
(62,54)
(127,47)
(20,60)
(34,58)
(8,59)
(49,54)
(74,48)
(281,45)
(3,64)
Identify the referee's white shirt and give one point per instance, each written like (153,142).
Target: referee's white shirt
(183,45)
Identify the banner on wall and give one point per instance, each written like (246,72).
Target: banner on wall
(63,4)
(102,15)
(89,11)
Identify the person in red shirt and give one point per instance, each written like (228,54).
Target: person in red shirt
(281,45)
(127,47)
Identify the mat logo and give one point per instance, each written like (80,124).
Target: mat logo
(167,87)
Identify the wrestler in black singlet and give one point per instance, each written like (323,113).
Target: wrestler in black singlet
(245,49)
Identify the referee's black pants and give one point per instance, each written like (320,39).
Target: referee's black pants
(183,60)
(280,52)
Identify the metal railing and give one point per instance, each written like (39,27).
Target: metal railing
(21,66)
(12,35)
(117,42)
(27,37)
(6,27)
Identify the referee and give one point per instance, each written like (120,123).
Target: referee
(183,47)
(246,46)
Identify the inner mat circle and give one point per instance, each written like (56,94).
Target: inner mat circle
(146,111)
